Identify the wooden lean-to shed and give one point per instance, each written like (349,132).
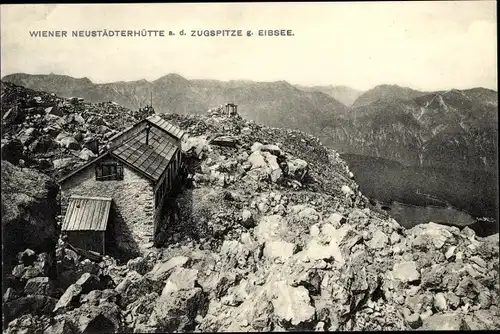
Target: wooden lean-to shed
(86,222)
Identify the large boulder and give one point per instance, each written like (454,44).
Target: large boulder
(68,142)
(27,136)
(35,304)
(297,168)
(89,282)
(39,286)
(180,279)
(29,208)
(438,322)
(69,299)
(12,151)
(292,305)
(162,270)
(86,154)
(406,271)
(177,311)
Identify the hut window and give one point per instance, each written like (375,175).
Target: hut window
(109,170)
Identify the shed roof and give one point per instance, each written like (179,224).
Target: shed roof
(87,214)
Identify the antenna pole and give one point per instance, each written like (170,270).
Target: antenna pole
(151,99)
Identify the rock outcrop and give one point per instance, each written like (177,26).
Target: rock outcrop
(29,210)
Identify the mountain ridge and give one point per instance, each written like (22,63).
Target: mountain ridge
(388,121)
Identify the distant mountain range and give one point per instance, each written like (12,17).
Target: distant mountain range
(344,94)
(276,104)
(386,92)
(455,129)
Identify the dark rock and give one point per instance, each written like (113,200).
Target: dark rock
(414,320)
(89,282)
(433,277)
(9,295)
(247,219)
(231,196)
(39,286)
(27,257)
(140,264)
(225,141)
(31,304)
(469,288)
(140,287)
(44,164)
(273,149)
(178,311)
(14,115)
(62,326)
(42,145)
(69,299)
(12,151)
(29,208)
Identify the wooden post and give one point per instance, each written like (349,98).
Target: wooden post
(103,243)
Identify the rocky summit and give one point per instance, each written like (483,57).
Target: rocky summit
(273,235)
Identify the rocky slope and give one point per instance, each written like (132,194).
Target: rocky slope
(53,134)
(273,235)
(269,103)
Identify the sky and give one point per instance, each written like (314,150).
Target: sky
(430,45)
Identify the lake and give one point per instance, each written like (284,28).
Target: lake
(415,195)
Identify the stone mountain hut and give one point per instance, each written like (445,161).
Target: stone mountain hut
(120,195)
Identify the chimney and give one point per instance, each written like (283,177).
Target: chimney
(148,127)
(93,145)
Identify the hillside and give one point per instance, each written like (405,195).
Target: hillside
(273,235)
(343,94)
(385,92)
(453,129)
(270,103)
